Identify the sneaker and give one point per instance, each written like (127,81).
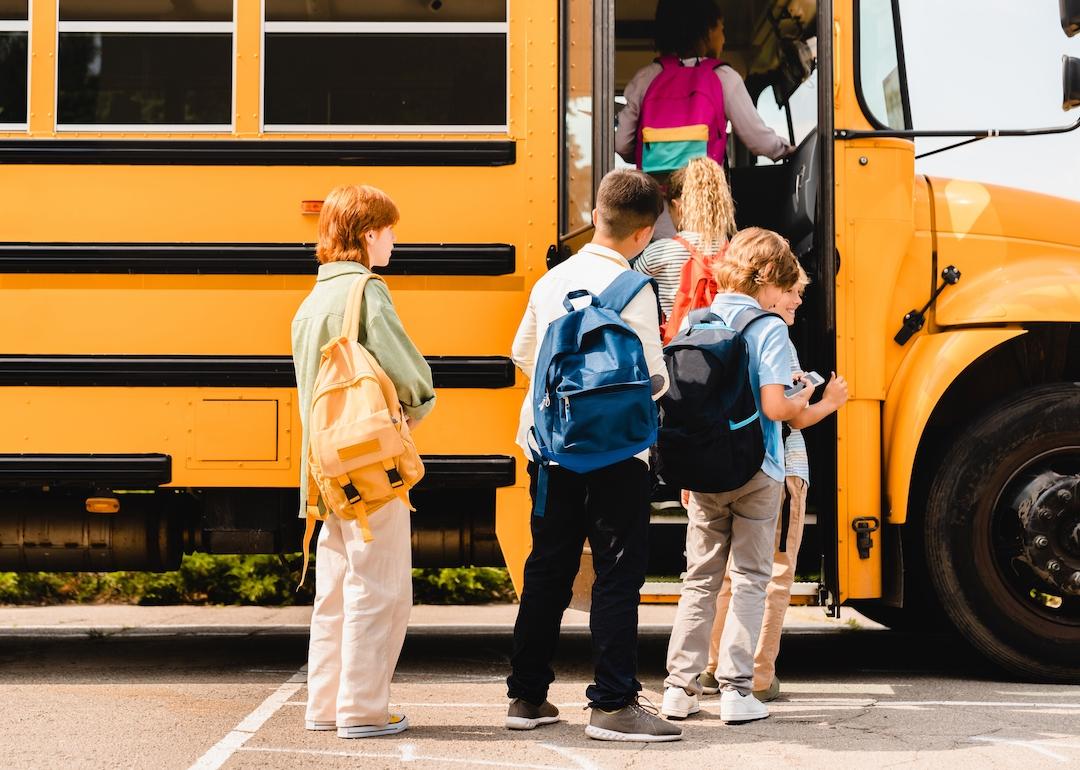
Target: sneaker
(397,724)
(633,722)
(736,707)
(678,704)
(523,715)
(709,685)
(315,724)
(772,692)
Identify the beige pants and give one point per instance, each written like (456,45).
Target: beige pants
(739,525)
(777,594)
(363,595)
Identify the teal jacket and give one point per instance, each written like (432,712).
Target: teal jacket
(319,320)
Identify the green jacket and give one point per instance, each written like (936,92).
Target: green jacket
(318,321)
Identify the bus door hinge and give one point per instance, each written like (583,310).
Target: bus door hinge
(916,319)
(863,526)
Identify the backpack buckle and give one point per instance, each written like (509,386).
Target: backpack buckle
(351,493)
(395,477)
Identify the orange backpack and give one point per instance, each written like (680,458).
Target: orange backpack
(697,286)
(361,455)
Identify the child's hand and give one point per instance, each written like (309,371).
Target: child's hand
(807,392)
(836,392)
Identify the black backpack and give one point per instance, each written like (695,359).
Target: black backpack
(710,437)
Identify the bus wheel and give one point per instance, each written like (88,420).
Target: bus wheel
(1003,533)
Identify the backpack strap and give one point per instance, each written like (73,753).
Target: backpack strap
(701,314)
(695,252)
(623,289)
(350,321)
(745,317)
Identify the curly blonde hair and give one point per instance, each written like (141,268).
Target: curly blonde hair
(705,204)
(757,257)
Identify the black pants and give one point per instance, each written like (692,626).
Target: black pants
(610,507)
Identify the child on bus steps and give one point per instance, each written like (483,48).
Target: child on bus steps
(701,207)
(758,270)
(363,590)
(789,529)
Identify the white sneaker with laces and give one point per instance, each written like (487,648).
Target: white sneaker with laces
(678,704)
(735,707)
(397,724)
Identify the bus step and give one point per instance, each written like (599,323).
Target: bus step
(667,592)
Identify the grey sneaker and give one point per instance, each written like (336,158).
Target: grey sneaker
(523,715)
(772,692)
(633,722)
(709,685)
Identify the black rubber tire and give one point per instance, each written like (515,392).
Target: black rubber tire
(972,591)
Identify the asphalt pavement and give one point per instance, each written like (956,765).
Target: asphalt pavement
(182,687)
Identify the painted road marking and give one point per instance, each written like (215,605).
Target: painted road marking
(407,753)
(1037,746)
(219,753)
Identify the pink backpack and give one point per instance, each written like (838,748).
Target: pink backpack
(682,117)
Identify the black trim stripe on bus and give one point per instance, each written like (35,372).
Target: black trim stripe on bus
(244,258)
(143,471)
(218,371)
(468,471)
(137,470)
(257,152)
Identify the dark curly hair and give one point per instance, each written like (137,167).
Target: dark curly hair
(683,25)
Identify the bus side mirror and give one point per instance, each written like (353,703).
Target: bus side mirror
(1070,16)
(1070,82)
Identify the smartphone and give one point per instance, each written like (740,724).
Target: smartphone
(815,379)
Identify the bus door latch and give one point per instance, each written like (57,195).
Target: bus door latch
(863,526)
(916,319)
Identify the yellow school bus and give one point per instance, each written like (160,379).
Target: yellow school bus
(163,164)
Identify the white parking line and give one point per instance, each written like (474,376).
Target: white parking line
(1036,746)
(407,753)
(220,752)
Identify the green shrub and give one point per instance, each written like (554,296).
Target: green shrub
(227,579)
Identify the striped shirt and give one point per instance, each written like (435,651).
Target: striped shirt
(664,259)
(796,461)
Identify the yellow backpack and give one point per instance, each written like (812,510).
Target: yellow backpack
(361,455)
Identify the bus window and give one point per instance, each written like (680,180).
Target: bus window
(125,65)
(776,117)
(880,69)
(578,118)
(802,106)
(14,30)
(390,66)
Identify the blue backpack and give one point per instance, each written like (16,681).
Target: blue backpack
(592,397)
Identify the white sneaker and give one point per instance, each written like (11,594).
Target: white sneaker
(397,724)
(678,704)
(315,724)
(735,708)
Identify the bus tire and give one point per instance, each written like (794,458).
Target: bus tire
(976,538)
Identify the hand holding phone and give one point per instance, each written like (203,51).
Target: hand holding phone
(812,378)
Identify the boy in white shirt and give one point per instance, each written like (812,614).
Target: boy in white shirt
(609,506)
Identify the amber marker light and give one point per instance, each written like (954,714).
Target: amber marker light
(310,207)
(102,505)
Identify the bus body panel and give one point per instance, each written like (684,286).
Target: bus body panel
(934,363)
